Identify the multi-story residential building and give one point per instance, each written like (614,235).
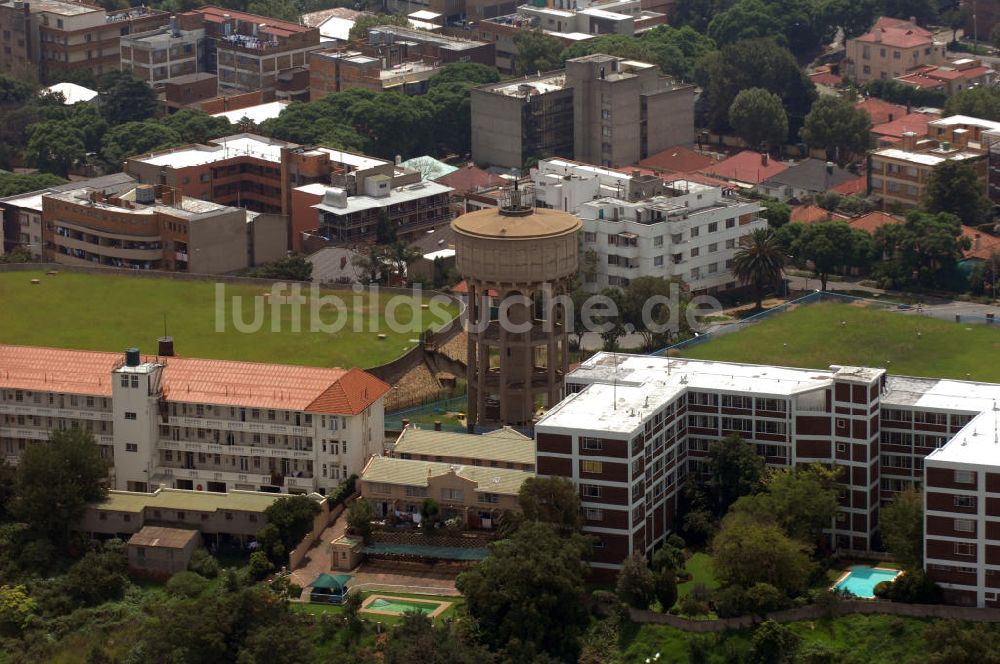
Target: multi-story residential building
(478,495)
(49,36)
(638,226)
(950,78)
(991,141)
(501,448)
(206,425)
(891,49)
(454,11)
(167,53)
(155,228)
(601,109)
(22,213)
(899,174)
(392,58)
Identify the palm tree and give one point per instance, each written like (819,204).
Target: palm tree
(759,261)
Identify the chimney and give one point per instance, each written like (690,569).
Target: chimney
(909,141)
(975,242)
(764,157)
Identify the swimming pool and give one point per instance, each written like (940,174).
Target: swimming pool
(860,580)
(397,606)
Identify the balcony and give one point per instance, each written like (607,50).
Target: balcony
(239,425)
(45,411)
(20,432)
(234,450)
(242,477)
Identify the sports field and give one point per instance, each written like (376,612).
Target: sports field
(112,312)
(818,335)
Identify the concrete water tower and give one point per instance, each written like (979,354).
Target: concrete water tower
(515,260)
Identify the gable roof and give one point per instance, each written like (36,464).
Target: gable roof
(747,166)
(811,175)
(469,178)
(897,32)
(808,214)
(873,220)
(915,122)
(163,537)
(881,111)
(677,159)
(858,185)
(405,472)
(504,445)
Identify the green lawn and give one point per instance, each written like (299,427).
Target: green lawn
(812,336)
(699,566)
(319,609)
(870,639)
(113,312)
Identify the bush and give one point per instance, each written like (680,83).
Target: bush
(636,584)
(665,588)
(294,591)
(762,598)
(730,602)
(259,565)
(692,606)
(187,584)
(913,587)
(342,492)
(204,563)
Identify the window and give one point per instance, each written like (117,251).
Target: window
(695,273)
(963,477)
(695,231)
(965,526)
(589,237)
(731,243)
(737,424)
(713,227)
(658,261)
(965,501)
(590,491)
(489,498)
(129,416)
(658,241)
(181,516)
(712,248)
(965,549)
(694,252)
(731,223)
(841,423)
(841,447)
(593,467)
(131,447)
(456,495)
(594,514)
(591,444)
(416,492)
(124,380)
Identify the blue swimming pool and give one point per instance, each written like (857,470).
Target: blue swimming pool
(861,580)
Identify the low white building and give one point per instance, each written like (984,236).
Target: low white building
(638,226)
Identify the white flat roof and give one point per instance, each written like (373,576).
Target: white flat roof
(32,202)
(220,149)
(424,15)
(410,192)
(72,93)
(602,13)
(257,113)
(336,28)
(965,120)
(440,253)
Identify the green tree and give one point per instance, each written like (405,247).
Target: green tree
(359,31)
(14,90)
(921,250)
(394,124)
(758,118)
(753,63)
(956,188)
(187,584)
(952,642)
(529,592)
(925,11)
(753,548)
(134,138)
(8,490)
(775,212)
(648,307)
(196,126)
(430,511)
(370,265)
(832,245)
(292,517)
(277,9)
(56,480)
(665,588)
(735,469)
(360,515)
(418,639)
(854,17)
(536,52)
(636,584)
(747,19)
(464,72)
(281,643)
(294,267)
(124,98)
(995,36)
(12,184)
(902,524)
(55,147)
(676,49)
(835,125)
(759,262)
(803,500)
(100,576)
(16,609)
(773,643)
(551,500)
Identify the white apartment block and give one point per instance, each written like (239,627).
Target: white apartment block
(638,226)
(633,428)
(185,423)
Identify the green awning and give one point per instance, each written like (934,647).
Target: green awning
(333,582)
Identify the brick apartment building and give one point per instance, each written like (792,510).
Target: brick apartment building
(601,109)
(203,425)
(44,37)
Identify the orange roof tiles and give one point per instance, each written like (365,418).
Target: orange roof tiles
(677,159)
(897,32)
(824,76)
(858,185)
(984,245)
(915,122)
(808,214)
(216,15)
(881,111)
(746,166)
(221,382)
(873,220)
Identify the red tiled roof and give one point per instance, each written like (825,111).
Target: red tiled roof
(222,382)
(919,80)
(823,76)
(984,245)
(216,14)
(897,32)
(873,220)
(881,111)
(809,214)
(470,178)
(858,185)
(677,159)
(915,122)
(746,166)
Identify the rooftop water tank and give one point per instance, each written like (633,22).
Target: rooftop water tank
(132,357)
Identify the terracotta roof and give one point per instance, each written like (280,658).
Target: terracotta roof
(858,185)
(915,122)
(823,76)
(881,111)
(984,245)
(216,15)
(470,178)
(920,80)
(808,214)
(221,382)
(897,32)
(746,166)
(873,220)
(677,159)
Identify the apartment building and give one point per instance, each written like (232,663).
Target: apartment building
(899,174)
(601,109)
(203,425)
(44,37)
(892,48)
(991,141)
(951,77)
(477,495)
(502,448)
(154,228)
(393,58)
(167,53)
(638,226)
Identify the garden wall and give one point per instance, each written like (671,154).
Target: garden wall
(321,522)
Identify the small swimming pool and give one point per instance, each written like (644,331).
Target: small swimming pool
(387,604)
(860,580)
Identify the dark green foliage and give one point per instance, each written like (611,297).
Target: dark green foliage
(56,480)
(528,595)
(773,643)
(914,587)
(279,9)
(752,548)
(735,469)
(636,584)
(134,138)
(464,72)
(665,588)
(777,213)
(902,524)
(204,563)
(360,515)
(925,11)
(293,267)
(921,251)
(196,126)
(956,188)
(124,98)
(417,639)
(98,577)
(12,184)
(187,584)
(551,500)
(953,642)
(288,521)
(758,118)
(365,23)
(900,93)
(835,125)
(832,246)
(759,599)
(675,50)
(55,147)
(260,566)
(536,52)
